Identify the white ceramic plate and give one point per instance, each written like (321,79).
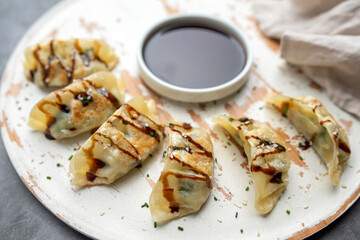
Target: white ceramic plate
(114,212)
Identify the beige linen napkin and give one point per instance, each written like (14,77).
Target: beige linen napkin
(323,38)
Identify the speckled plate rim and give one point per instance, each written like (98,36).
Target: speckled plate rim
(304,233)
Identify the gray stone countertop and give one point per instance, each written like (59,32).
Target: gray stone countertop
(22,216)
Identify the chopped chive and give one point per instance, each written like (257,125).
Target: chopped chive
(180,228)
(288,212)
(150,155)
(75,149)
(215,199)
(48,177)
(265,143)
(58,165)
(164,153)
(243,119)
(286,109)
(251,122)
(260,108)
(155,224)
(247,188)
(171,125)
(70,157)
(216,160)
(238,91)
(125,122)
(278,180)
(147,175)
(242,231)
(228,143)
(175,148)
(301,158)
(26,99)
(145,205)
(231,119)
(281,148)
(152,134)
(19,108)
(204,149)
(236,214)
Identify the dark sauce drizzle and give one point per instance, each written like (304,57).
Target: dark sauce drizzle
(93,165)
(168,192)
(69,71)
(271,171)
(85,95)
(304,144)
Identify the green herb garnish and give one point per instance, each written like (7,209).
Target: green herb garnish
(152,134)
(180,228)
(286,109)
(242,231)
(125,122)
(216,160)
(247,188)
(171,125)
(228,143)
(278,180)
(204,149)
(164,154)
(175,148)
(70,157)
(58,164)
(236,214)
(288,212)
(150,155)
(215,199)
(155,224)
(145,205)
(265,143)
(147,175)
(301,158)
(231,119)
(75,149)
(281,148)
(243,119)
(48,177)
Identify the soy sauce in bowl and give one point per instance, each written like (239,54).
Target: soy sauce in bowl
(194,55)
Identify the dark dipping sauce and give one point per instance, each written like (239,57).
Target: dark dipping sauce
(194,55)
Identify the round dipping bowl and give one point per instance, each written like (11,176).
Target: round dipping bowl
(227,80)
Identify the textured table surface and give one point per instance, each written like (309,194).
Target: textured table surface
(21,215)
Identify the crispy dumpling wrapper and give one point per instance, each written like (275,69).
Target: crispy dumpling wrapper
(81,106)
(268,159)
(124,141)
(319,127)
(185,182)
(58,62)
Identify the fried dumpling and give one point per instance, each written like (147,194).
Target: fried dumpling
(58,62)
(81,106)
(185,182)
(268,159)
(317,125)
(124,141)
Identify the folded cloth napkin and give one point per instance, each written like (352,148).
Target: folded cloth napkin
(322,37)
